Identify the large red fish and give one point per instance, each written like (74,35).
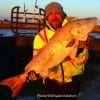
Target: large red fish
(60,45)
(57,49)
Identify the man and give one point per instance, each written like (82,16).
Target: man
(59,80)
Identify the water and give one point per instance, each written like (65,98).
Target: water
(95,35)
(27,32)
(8,32)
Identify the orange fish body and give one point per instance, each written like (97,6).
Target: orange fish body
(60,45)
(57,49)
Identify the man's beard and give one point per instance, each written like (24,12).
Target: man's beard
(55,23)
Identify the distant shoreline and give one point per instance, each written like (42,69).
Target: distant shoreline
(8,24)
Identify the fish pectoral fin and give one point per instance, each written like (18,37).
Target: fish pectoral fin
(71,43)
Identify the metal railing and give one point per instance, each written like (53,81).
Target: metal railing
(26,20)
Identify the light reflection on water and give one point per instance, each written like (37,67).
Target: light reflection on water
(95,35)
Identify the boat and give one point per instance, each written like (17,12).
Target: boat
(18,49)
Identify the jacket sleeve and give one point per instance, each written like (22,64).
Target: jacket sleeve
(38,43)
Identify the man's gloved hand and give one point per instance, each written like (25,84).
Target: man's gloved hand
(32,76)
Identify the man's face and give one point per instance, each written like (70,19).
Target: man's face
(55,19)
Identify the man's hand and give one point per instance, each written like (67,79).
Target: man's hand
(32,76)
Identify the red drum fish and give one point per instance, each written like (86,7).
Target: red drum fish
(54,52)
(60,45)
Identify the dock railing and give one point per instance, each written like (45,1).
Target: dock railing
(26,20)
